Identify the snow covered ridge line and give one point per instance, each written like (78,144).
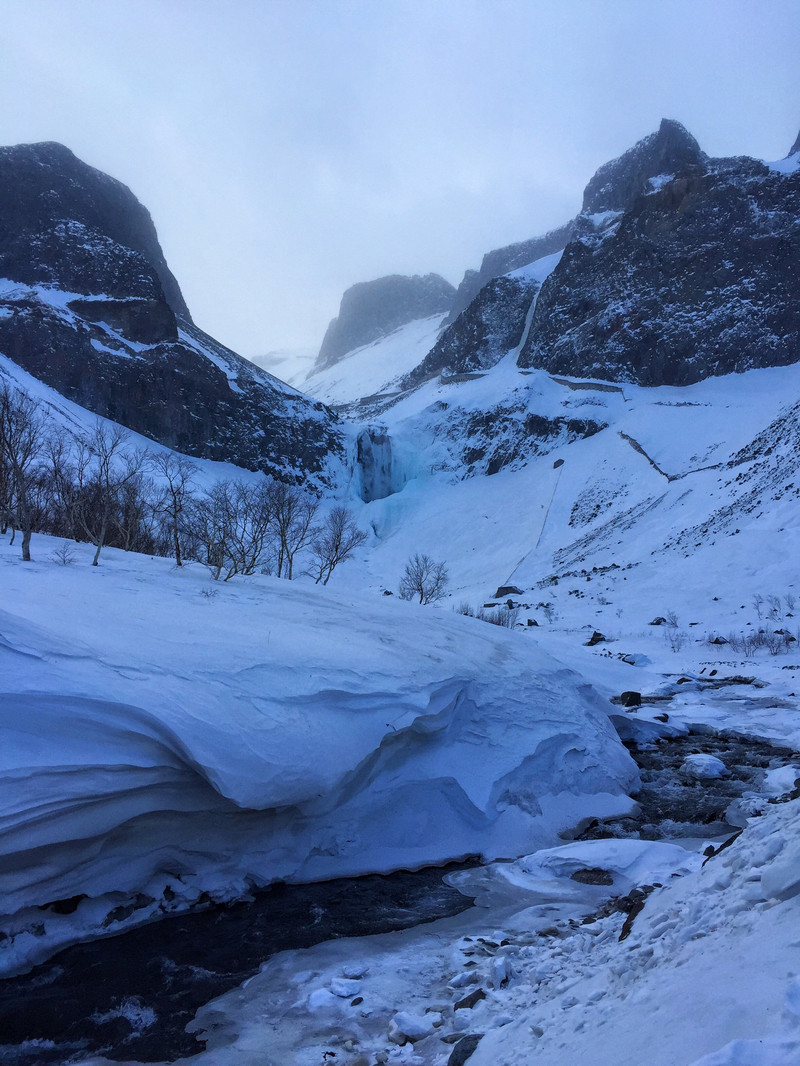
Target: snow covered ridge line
(269,732)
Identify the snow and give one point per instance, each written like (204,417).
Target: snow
(538,270)
(789,165)
(704,767)
(267,730)
(374,368)
(658,182)
(338,730)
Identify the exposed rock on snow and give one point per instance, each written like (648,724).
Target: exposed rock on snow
(481,335)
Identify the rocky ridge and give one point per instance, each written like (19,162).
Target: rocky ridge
(372,309)
(503,260)
(681,268)
(89,306)
(678,267)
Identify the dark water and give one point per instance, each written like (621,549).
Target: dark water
(672,805)
(131,996)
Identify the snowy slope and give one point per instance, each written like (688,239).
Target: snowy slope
(159,731)
(375,368)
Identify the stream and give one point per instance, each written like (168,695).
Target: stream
(131,996)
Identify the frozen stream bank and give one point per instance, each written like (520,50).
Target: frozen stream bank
(129,998)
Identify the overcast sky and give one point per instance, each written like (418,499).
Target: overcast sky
(289,148)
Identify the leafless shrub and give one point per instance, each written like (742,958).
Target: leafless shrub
(499,616)
(423,578)
(758,603)
(747,644)
(334,542)
(64,555)
(676,638)
(789,600)
(671,619)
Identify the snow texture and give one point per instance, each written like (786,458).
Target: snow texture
(269,730)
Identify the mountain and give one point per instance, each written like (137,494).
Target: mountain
(681,267)
(678,267)
(372,309)
(636,544)
(503,261)
(89,306)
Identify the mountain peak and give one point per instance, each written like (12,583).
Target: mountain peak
(617,183)
(54,206)
(371,309)
(795,147)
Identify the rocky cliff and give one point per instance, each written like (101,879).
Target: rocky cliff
(372,309)
(680,267)
(677,268)
(502,261)
(89,306)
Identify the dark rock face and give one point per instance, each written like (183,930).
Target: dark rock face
(485,442)
(125,347)
(68,225)
(795,147)
(695,275)
(371,309)
(616,185)
(480,336)
(503,261)
(678,268)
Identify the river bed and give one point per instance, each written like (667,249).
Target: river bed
(131,996)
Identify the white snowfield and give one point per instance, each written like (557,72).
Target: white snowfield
(374,368)
(153,735)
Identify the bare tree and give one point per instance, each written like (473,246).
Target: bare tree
(334,541)
(100,473)
(249,542)
(232,527)
(178,473)
(293,515)
(134,518)
(23,432)
(423,578)
(209,521)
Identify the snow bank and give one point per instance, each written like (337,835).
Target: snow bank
(707,975)
(164,735)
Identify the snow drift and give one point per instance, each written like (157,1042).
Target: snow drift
(163,742)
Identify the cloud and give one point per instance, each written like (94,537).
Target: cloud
(287,150)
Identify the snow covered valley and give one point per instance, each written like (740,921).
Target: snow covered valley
(223,735)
